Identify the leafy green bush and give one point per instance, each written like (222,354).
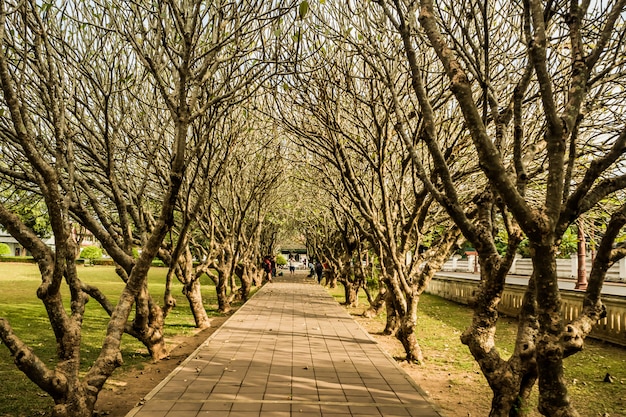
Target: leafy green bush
(91,253)
(4,249)
(281,260)
(158,263)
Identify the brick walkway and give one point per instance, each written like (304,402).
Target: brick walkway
(289,351)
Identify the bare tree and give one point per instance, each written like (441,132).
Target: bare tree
(340,110)
(40,135)
(68,81)
(235,212)
(535,132)
(186,259)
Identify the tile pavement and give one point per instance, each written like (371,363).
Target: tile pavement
(291,350)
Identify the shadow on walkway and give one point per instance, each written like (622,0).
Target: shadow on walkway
(291,350)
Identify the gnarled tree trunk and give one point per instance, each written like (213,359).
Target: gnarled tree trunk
(193,292)
(392,321)
(406,332)
(553,398)
(378,303)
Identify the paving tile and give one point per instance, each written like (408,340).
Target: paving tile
(181,406)
(389,411)
(182,414)
(278,407)
(246,406)
(169,396)
(150,413)
(158,405)
(365,411)
(275,414)
(335,410)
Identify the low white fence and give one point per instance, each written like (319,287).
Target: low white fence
(566,268)
(611,328)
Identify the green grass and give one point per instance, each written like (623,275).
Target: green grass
(441,322)
(20,305)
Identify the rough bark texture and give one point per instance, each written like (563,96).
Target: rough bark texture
(189,276)
(376,307)
(543,223)
(331,277)
(351,294)
(245,273)
(222,295)
(193,292)
(224,271)
(553,398)
(406,333)
(392,323)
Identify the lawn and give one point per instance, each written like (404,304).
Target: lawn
(20,305)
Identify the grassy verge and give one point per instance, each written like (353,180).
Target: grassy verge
(20,305)
(441,323)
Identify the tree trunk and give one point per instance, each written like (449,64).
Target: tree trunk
(193,292)
(331,277)
(243,271)
(257,277)
(406,333)
(189,275)
(376,307)
(520,405)
(393,321)
(169,301)
(351,293)
(154,338)
(553,397)
(232,282)
(510,380)
(244,290)
(222,296)
(72,397)
(79,401)
(147,326)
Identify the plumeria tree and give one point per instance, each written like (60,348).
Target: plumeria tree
(339,112)
(527,81)
(101,106)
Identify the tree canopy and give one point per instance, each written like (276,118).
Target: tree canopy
(379,134)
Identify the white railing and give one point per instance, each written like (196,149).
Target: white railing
(611,328)
(566,268)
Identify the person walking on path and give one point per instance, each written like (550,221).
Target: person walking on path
(273,264)
(319,270)
(292,266)
(267,268)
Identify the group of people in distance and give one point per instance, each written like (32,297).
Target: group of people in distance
(316,269)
